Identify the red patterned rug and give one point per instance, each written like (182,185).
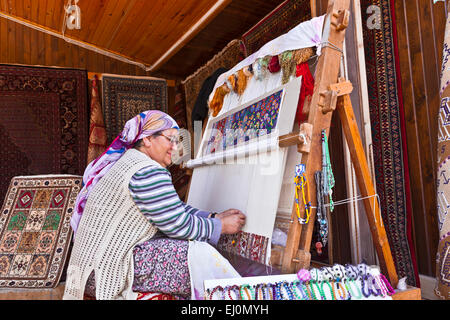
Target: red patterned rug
(388,135)
(286,16)
(35,230)
(43,122)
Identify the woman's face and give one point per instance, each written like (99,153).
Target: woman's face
(160,148)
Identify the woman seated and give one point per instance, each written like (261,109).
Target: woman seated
(132,232)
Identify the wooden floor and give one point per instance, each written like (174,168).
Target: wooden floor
(33,294)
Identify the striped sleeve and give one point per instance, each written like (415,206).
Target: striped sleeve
(154,194)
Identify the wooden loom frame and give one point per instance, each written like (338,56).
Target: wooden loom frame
(331,93)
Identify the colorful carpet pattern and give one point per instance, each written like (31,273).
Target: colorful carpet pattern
(43,122)
(387,117)
(244,244)
(35,230)
(278,22)
(246,124)
(443,176)
(125,97)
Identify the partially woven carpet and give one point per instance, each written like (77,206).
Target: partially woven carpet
(43,122)
(282,19)
(35,230)
(126,97)
(389,137)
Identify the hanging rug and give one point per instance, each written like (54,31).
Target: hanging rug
(35,230)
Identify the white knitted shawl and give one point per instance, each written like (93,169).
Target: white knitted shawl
(111,226)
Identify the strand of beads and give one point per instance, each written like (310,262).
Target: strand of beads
(235,290)
(343,295)
(387,284)
(290,294)
(330,287)
(246,288)
(295,285)
(218,288)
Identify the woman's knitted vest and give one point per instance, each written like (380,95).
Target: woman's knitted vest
(111,226)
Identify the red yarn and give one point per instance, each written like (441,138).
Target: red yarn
(274,64)
(306,90)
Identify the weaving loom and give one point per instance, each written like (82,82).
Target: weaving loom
(258,169)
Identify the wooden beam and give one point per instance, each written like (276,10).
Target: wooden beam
(300,236)
(411,293)
(194,30)
(74,41)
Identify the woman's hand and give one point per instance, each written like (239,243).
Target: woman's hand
(232,221)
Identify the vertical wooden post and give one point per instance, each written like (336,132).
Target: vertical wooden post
(362,172)
(297,251)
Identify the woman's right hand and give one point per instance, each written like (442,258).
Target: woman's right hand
(232,222)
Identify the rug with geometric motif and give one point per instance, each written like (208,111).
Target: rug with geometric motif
(125,97)
(442,285)
(387,119)
(35,230)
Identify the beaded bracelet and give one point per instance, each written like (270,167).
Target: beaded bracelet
(341,290)
(214,291)
(373,284)
(350,290)
(388,285)
(295,285)
(288,290)
(232,288)
(367,281)
(310,291)
(322,294)
(269,289)
(246,287)
(277,294)
(333,295)
(380,284)
(259,289)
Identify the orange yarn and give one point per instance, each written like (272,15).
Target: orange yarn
(217,101)
(233,82)
(241,82)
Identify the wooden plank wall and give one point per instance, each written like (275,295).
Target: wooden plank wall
(420,28)
(23,45)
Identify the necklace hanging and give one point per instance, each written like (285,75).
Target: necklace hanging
(328,177)
(321,220)
(301,182)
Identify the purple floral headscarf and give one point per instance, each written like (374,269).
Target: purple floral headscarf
(143,125)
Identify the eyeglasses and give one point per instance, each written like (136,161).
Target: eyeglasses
(172,139)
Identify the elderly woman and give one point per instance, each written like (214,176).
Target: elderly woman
(131,229)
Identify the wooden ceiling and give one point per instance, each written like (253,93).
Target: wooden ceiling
(172,38)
